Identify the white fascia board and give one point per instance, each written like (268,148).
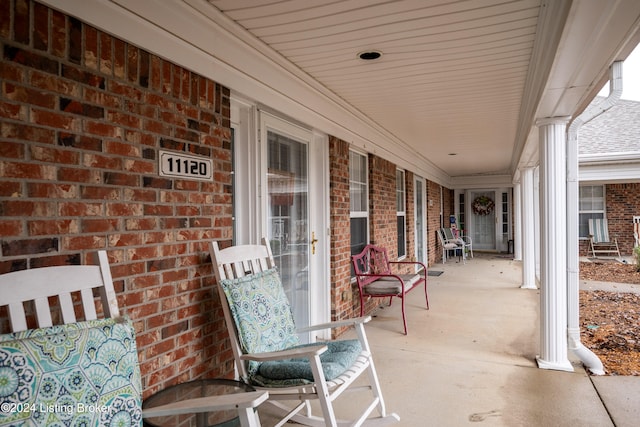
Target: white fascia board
(607,158)
(609,173)
(482,181)
(191,34)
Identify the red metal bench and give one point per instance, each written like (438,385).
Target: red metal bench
(376,279)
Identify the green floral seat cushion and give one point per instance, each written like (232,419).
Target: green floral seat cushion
(265,323)
(340,355)
(81,374)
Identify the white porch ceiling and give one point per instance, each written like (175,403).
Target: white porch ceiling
(457,76)
(451,79)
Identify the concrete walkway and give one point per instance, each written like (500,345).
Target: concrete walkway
(470,359)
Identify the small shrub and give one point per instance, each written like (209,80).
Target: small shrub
(636,252)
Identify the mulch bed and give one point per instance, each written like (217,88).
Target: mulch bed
(610,321)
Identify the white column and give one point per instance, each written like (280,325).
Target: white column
(517,226)
(536,219)
(553,244)
(528,230)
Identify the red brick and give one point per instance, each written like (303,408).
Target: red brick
(21,208)
(11,228)
(11,189)
(55,155)
(90,54)
(124,209)
(51,119)
(99,225)
(52,227)
(28,95)
(78,175)
(58,34)
(12,111)
(27,133)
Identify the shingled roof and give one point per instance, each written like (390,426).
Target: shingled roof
(615,131)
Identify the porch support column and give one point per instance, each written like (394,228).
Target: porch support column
(528,214)
(517,216)
(553,244)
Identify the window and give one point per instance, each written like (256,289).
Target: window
(401,214)
(505,215)
(359,200)
(590,205)
(461,208)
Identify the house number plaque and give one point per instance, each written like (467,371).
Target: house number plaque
(185,166)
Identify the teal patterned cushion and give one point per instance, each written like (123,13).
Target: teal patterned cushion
(339,357)
(264,321)
(261,312)
(81,374)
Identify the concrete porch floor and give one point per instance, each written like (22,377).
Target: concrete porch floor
(470,359)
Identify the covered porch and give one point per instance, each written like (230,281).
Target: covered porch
(471,358)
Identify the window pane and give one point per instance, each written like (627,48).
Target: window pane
(591,205)
(358,182)
(402,247)
(358,235)
(584,222)
(400,199)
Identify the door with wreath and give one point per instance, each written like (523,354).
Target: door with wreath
(482,224)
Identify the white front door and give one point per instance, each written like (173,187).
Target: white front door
(482,219)
(292,218)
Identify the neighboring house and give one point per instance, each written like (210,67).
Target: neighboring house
(609,159)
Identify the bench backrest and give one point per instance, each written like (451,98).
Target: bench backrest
(372,260)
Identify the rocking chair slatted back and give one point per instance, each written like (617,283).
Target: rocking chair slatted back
(40,284)
(236,261)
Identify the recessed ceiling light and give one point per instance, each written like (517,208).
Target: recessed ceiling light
(370,55)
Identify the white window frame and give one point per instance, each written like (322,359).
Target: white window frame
(363,211)
(581,211)
(401,211)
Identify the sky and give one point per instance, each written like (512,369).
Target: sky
(630,77)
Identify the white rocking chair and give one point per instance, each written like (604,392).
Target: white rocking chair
(266,349)
(65,353)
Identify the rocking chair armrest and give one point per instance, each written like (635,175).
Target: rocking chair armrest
(312,350)
(208,404)
(337,324)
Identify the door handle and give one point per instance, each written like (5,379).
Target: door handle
(313,242)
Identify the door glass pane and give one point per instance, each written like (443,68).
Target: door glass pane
(484,231)
(419,222)
(288,189)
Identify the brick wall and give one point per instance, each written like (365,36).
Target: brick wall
(382,204)
(433,222)
(83,116)
(623,203)
(344,296)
